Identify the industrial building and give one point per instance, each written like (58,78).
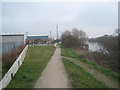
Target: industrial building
(37,39)
(34,37)
(11,40)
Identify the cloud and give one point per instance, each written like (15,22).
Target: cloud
(41,18)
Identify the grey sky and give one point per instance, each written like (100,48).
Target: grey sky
(95,18)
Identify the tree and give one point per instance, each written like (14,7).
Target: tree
(65,38)
(74,39)
(80,35)
(117,31)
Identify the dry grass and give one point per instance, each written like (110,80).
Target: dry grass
(9,58)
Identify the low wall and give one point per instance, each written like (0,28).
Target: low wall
(14,68)
(41,44)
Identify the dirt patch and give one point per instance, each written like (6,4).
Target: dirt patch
(81,51)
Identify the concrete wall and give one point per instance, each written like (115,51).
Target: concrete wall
(41,45)
(0,58)
(14,68)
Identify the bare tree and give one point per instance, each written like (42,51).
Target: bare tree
(80,35)
(66,36)
(117,31)
(75,38)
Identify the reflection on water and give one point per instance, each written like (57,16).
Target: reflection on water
(94,46)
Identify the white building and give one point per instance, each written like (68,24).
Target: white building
(11,41)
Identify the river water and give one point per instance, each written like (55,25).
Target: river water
(95,46)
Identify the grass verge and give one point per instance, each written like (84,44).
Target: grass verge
(70,53)
(79,78)
(105,71)
(35,62)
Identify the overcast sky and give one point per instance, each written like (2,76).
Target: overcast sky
(39,18)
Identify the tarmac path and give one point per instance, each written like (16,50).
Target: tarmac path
(54,75)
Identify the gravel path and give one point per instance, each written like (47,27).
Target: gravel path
(54,75)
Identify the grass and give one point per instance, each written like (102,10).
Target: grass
(79,78)
(105,71)
(35,62)
(70,53)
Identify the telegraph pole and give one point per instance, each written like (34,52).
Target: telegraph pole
(26,34)
(57,31)
(50,34)
(26,37)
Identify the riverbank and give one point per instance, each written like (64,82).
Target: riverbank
(106,60)
(96,72)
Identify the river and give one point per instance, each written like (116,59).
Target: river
(95,46)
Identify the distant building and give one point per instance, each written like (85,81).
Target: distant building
(34,37)
(11,41)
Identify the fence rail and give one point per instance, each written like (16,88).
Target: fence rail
(14,68)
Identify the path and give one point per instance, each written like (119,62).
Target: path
(54,75)
(108,81)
